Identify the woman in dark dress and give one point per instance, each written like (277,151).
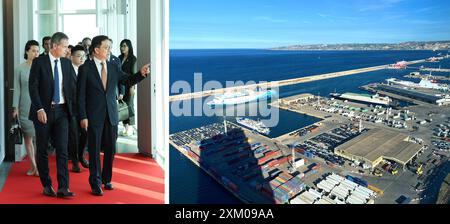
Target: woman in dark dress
(129,67)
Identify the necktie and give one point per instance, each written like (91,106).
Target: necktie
(56,94)
(104,75)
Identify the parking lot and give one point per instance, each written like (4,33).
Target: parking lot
(427,125)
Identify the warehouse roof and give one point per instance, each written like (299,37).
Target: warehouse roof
(384,143)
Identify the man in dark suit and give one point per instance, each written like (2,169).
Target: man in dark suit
(77,136)
(46,44)
(97,109)
(52,91)
(120,91)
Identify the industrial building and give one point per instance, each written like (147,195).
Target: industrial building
(427,98)
(377,145)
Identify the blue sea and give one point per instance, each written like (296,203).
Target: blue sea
(189,184)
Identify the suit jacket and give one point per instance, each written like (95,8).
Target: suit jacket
(116,61)
(74,101)
(41,85)
(94,102)
(43,54)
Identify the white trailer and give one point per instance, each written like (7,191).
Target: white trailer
(315,193)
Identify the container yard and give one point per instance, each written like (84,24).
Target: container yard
(251,166)
(254,168)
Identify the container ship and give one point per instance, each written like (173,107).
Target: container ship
(365,98)
(254,125)
(234,98)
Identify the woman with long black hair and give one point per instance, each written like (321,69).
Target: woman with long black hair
(128,60)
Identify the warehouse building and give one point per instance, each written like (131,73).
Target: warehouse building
(377,145)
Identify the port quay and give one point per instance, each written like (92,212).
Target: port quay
(287,82)
(358,153)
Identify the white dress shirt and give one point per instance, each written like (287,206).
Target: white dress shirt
(98,63)
(76,69)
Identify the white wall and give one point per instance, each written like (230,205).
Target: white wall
(2,90)
(23,28)
(160,68)
(160,79)
(153,93)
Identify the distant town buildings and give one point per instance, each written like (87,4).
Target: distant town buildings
(434,45)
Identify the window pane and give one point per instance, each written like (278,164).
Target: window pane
(78,27)
(46,4)
(78,4)
(46,25)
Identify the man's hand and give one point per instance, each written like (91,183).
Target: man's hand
(15,113)
(120,97)
(84,124)
(42,117)
(145,70)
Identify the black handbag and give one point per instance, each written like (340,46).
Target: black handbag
(15,133)
(122,108)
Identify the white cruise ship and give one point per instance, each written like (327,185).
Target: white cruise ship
(234,98)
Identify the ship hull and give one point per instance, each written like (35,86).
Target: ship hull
(241,100)
(362,99)
(264,131)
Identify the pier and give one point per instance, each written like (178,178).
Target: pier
(286,82)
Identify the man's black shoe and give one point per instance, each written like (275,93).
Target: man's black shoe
(97,191)
(109,187)
(84,163)
(64,193)
(76,168)
(48,191)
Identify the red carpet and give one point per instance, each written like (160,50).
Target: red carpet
(136,179)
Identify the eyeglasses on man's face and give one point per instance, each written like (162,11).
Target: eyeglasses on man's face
(83,56)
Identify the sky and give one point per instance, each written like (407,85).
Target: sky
(221,24)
